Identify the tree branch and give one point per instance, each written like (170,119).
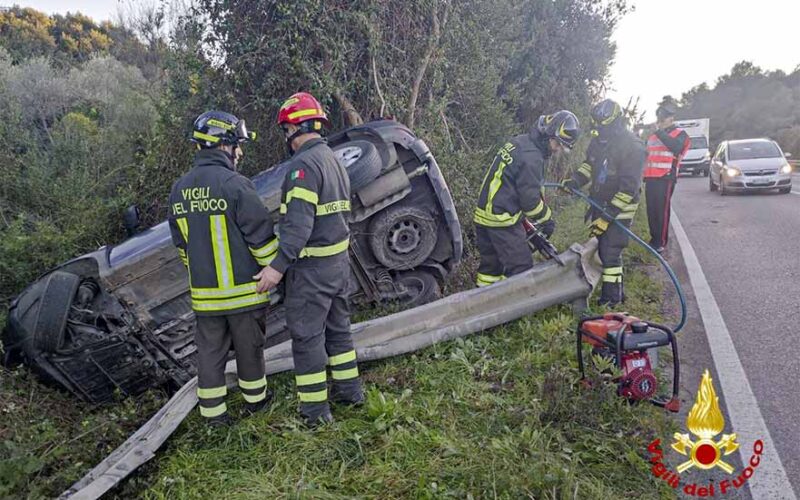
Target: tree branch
(349,113)
(433,43)
(378,87)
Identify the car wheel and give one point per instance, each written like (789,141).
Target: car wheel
(418,288)
(361,160)
(705,172)
(402,237)
(786,190)
(56,301)
(711,186)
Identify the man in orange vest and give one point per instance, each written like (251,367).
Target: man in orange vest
(665,148)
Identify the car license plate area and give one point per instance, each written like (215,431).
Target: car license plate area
(763,182)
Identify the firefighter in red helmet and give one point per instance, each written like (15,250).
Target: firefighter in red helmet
(313,256)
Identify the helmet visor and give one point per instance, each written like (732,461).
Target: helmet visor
(242,134)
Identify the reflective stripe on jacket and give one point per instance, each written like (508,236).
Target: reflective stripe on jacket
(665,148)
(315,202)
(224,235)
(613,168)
(512,185)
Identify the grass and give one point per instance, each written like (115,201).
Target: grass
(48,439)
(494,415)
(500,414)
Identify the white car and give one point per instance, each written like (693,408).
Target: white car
(750,165)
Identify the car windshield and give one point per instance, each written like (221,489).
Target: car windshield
(699,143)
(753,150)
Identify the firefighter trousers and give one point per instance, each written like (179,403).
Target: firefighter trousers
(610,246)
(658,192)
(504,252)
(214,338)
(318,319)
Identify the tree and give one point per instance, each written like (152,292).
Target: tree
(26,32)
(749,102)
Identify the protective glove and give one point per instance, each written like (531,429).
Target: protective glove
(548,228)
(538,237)
(570,184)
(599,226)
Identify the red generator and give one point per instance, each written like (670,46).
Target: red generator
(626,339)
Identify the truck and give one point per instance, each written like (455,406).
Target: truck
(698,158)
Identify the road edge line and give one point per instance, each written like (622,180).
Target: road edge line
(769,479)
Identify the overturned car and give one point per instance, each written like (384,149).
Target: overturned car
(118,321)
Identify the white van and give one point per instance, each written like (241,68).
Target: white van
(698,158)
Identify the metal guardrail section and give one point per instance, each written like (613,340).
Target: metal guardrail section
(457,315)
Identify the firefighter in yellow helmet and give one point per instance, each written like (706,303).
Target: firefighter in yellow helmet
(613,172)
(313,254)
(512,190)
(224,236)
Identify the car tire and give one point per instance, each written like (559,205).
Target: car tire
(711,186)
(361,160)
(421,287)
(705,172)
(402,237)
(786,190)
(51,323)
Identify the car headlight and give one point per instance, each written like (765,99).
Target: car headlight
(786,169)
(732,171)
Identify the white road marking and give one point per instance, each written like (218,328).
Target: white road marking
(769,479)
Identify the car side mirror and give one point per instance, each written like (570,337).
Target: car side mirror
(130,219)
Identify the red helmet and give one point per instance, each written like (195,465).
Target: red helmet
(301,107)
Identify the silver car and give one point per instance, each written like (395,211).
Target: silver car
(750,165)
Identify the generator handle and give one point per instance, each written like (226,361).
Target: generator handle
(619,342)
(673,404)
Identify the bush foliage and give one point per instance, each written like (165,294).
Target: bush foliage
(96,117)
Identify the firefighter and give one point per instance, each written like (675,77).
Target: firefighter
(224,236)
(613,168)
(512,189)
(313,253)
(665,148)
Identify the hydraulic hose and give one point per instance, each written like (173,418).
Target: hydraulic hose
(640,241)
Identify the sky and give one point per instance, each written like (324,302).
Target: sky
(668,46)
(663,46)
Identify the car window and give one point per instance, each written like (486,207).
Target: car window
(752,150)
(720,153)
(698,143)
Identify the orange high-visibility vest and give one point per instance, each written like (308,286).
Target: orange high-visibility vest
(659,158)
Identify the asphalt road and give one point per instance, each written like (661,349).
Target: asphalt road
(749,249)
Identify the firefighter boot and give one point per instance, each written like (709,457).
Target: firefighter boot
(260,407)
(611,294)
(347,392)
(219,421)
(316,414)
